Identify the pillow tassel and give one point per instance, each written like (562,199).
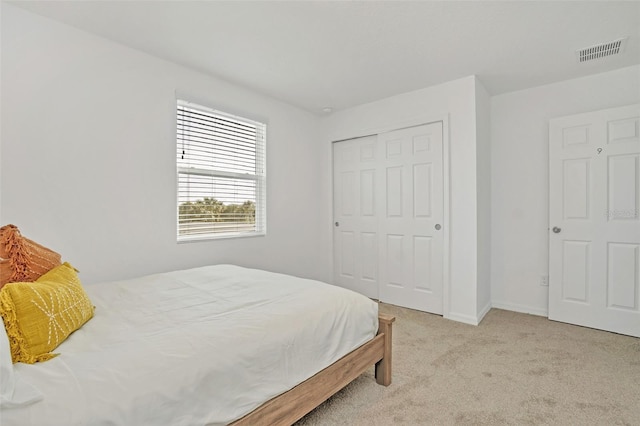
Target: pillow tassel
(6,233)
(17,252)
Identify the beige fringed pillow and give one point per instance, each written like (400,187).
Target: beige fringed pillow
(22,259)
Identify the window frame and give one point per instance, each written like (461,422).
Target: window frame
(259,177)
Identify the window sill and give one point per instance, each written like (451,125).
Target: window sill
(226,236)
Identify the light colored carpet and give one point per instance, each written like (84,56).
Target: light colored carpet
(512,369)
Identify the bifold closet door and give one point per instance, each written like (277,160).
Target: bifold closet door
(594,214)
(388,231)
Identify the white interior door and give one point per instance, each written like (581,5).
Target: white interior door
(411,216)
(355,236)
(594,213)
(388,209)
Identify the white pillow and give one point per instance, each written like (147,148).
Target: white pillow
(13,392)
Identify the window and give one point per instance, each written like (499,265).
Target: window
(221,174)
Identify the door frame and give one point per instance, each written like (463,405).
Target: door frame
(446,179)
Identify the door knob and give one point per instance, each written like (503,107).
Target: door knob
(438,227)
(337,223)
(556,229)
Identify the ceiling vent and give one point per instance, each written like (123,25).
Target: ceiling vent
(601,50)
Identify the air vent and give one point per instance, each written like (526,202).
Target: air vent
(601,50)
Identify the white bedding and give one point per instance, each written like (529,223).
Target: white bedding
(194,347)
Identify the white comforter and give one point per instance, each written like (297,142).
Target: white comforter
(194,347)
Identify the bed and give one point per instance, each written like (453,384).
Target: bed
(207,346)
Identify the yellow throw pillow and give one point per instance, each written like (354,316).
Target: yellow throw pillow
(40,315)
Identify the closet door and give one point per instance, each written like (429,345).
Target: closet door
(411,214)
(355,195)
(388,213)
(594,214)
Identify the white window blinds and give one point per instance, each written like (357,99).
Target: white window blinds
(221,174)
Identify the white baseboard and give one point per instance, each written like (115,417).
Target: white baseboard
(469,319)
(484,312)
(520,308)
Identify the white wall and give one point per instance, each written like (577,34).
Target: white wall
(88,166)
(519,131)
(1,7)
(456,101)
(483,196)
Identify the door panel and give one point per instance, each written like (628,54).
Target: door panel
(622,281)
(422,190)
(395,273)
(594,213)
(623,188)
(367,192)
(422,249)
(624,130)
(347,264)
(575,273)
(577,189)
(394,191)
(369,250)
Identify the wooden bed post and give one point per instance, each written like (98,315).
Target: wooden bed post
(383,367)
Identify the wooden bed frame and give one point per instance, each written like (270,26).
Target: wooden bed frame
(291,406)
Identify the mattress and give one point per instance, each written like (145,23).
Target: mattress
(203,346)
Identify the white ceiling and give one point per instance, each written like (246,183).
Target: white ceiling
(315,54)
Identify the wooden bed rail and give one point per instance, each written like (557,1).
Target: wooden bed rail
(291,406)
